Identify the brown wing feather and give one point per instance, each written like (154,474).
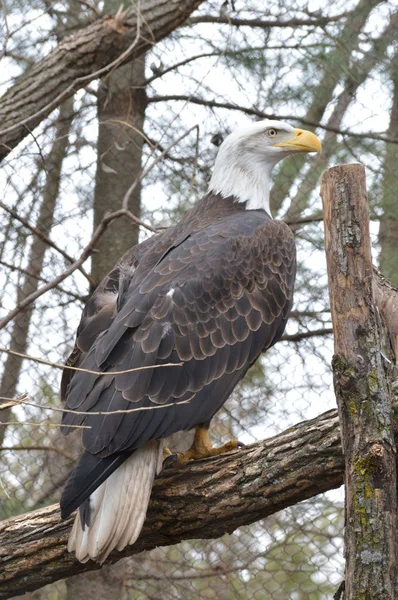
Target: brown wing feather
(214,302)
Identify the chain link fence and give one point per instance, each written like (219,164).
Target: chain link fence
(148,134)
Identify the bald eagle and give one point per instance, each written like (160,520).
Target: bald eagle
(212,292)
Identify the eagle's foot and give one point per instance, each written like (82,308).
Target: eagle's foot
(166,453)
(202,447)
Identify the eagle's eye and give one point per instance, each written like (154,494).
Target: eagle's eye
(271,133)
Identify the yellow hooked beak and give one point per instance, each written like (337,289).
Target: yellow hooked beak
(303,141)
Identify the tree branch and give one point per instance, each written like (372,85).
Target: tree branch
(255,112)
(87,54)
(39,278)
(333,67)
(75,265)
(303,335)
(42,236)
(359,72)
(204,500)
(267,24)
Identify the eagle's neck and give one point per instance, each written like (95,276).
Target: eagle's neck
(247,181)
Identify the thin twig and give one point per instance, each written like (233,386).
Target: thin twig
(71,368)
(126,411)
(39,278)
(297,337)
(227,53)
(313,219)
(75,265)
(47,424)
(44,238)
(14,399)
(253,111)
(145,172)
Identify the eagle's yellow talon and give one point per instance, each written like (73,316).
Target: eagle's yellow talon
(202,448)
(166,453)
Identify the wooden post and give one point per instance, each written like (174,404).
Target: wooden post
(362,390)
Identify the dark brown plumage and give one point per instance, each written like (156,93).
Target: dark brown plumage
(212,293)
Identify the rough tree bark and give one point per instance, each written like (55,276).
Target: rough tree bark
(121,113)
(78,58)
(361,381)
(205,499)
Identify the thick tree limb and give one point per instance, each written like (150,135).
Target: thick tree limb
(362,386)
(203,500)
(89,53)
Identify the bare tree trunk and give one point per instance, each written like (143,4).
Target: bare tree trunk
(106,584)
(388,235)
(121,113)
(362,390)
(20,328)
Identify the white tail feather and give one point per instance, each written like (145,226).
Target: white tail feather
(118,507)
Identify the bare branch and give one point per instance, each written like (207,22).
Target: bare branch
(255,112)
(145,172)
(333,67)
(74,266)
(359,72)
(210,497)
(39,278)
(304,220)
(44,238)
(126,411)
(297,337)
(43,425)
(42,361)
(267,24)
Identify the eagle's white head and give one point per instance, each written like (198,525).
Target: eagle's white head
(248,155)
